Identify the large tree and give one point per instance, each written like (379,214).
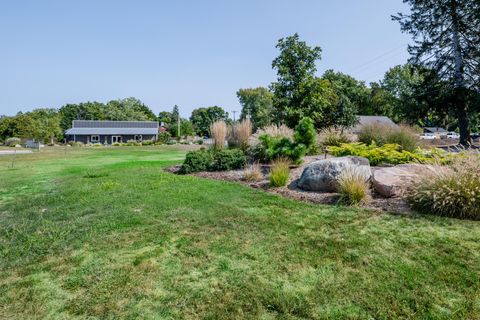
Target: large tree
(447,39)
(202,118)
(296,83)
(257,103)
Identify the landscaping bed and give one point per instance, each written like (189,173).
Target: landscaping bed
(394,204)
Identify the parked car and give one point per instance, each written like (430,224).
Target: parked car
(475,136)
(428,136)
(452,135)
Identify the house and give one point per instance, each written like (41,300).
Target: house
(435,130)
(108,132)
(373,120)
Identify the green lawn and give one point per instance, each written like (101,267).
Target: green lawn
(106,233)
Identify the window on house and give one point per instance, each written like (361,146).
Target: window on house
(138,137)
(95,139)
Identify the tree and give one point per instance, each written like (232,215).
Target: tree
(166,118)
(202,118)
(447,40)
(295,68)
(257,103)
(46,125)
(347,86)
(82,111)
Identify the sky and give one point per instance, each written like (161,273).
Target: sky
(184,52)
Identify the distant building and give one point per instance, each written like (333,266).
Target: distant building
(373,120)
(435,130)
(108,132)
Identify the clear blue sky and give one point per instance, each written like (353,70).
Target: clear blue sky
(190,53)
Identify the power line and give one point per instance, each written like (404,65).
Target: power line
(378,57)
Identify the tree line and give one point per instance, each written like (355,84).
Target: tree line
(439,86)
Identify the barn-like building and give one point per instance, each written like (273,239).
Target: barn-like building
(108,132)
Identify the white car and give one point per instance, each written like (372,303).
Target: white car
(428,136)
(453,135)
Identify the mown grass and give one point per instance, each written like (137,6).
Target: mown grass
(136,242)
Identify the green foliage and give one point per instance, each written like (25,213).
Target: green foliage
(257,103)
(196,161)
(164,137)
(203,118)
(279,172)
(213,160)
(280,147)
(12,141)
(305,133)
(132,143)
(148,143)
(298,93)
(229,159)
(452,190)
(388,153)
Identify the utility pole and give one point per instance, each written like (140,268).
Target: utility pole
(178,127)
(234,113)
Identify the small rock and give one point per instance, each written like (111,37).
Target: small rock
(323,175)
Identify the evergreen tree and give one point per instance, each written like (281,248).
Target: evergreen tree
(447,39)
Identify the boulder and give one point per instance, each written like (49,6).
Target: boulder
(323,175)
(394,181)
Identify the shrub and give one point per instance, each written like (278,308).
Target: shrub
(279,172)
(227,160)
(274,148)
(333,138)
(147,143)
(11,142)
(404,136)
(97,145)
(133,142)
(171,142)
(199,141)
(218,131)
(305,134)
(452,190)
(376,132)
(213,160)
(388,153)
(253,173)
(274,131)
(163,137)
(76,144)
(117,144)
(381,134)
(196,161)
(353,187)
(239,134)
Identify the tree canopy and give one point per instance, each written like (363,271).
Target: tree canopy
(257,103)
(447,41)
(202,118)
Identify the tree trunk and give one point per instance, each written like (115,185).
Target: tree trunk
(459,83)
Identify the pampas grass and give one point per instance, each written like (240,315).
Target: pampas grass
(218,130)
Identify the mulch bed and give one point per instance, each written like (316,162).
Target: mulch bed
(393,205)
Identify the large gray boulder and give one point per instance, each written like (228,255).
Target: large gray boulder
(394,181)
(323,175)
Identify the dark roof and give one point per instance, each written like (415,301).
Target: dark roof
(371,120)
(87,127)
(113,124)
(434,130)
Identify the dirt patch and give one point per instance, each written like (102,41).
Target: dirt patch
(394,205)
